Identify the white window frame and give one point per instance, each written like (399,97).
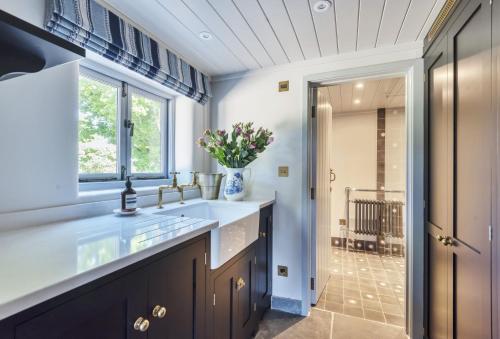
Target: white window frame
(126,86)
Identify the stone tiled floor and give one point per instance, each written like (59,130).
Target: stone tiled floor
(365,285)
(324,325)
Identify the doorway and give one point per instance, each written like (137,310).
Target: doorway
(361,188)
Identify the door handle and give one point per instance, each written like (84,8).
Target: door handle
(334,175)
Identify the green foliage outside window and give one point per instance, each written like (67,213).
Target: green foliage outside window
(98,130)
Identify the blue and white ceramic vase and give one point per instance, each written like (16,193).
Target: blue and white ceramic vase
(235,185)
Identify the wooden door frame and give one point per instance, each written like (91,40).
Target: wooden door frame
(413,71)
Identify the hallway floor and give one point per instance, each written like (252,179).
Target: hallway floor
(324,325)
(363,299)
(366,285)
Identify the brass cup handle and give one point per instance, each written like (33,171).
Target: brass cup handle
(240,283)
(141,324)
(159,311)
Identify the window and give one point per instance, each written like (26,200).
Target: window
(122,130)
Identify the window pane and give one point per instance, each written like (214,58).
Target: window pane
(97,127)
(146,142)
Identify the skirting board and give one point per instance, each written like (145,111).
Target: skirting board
(293,306)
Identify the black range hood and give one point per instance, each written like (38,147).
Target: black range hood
(26,48)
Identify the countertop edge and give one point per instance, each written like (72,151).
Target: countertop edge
(27,301)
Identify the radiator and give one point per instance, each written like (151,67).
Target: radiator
(378,217)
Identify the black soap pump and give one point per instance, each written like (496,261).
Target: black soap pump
(129,197)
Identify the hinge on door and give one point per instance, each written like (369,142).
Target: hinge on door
(491,2)
(313,112)
(213,303)
(312,284)
(254,307)
(312,193)
(490,233)
(205,258)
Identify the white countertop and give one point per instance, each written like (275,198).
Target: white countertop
(41,262)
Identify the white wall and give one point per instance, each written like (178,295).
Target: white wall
(39,134)
(354,158)
(254,97)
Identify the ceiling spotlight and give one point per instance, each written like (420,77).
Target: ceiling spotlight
(205,36)
(322,6)
(357,101)
(360,85)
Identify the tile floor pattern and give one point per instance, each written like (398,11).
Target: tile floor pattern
(365,285)
(324,325)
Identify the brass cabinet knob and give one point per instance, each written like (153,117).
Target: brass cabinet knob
(159,311)
(141,324)
(240,283)
(448,241)
(263,234)
(440,238)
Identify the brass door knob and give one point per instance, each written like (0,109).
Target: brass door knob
(240,283)
(159,311)
(141,324)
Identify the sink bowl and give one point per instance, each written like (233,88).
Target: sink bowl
(238,226)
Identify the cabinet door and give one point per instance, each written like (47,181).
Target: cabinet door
(223,294)
(245,305)
(234,313)
(177,284)
(438,195)
(472,148)
(264,261)
(108,312)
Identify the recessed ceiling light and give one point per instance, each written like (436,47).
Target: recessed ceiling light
(322,6)
(206,36)
(357,101)
(360,85)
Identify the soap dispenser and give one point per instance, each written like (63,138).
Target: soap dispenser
(129,197)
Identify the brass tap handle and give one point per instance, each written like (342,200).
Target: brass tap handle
(141,324)
(159,311)
(174,180)
(194,179)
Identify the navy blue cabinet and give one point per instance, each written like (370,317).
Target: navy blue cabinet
(161,297)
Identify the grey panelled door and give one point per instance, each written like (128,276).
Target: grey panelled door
(469,82)
(438,199)
(461,146)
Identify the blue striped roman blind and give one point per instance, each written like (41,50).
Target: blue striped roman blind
(90,25)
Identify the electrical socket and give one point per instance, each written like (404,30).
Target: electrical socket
(283,271)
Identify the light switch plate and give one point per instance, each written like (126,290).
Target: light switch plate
(283,271)
(283,86)
(283,171)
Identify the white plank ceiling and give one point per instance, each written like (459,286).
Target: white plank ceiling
(367,95)
(253,34)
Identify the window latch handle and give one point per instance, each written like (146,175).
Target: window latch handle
(129,124)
